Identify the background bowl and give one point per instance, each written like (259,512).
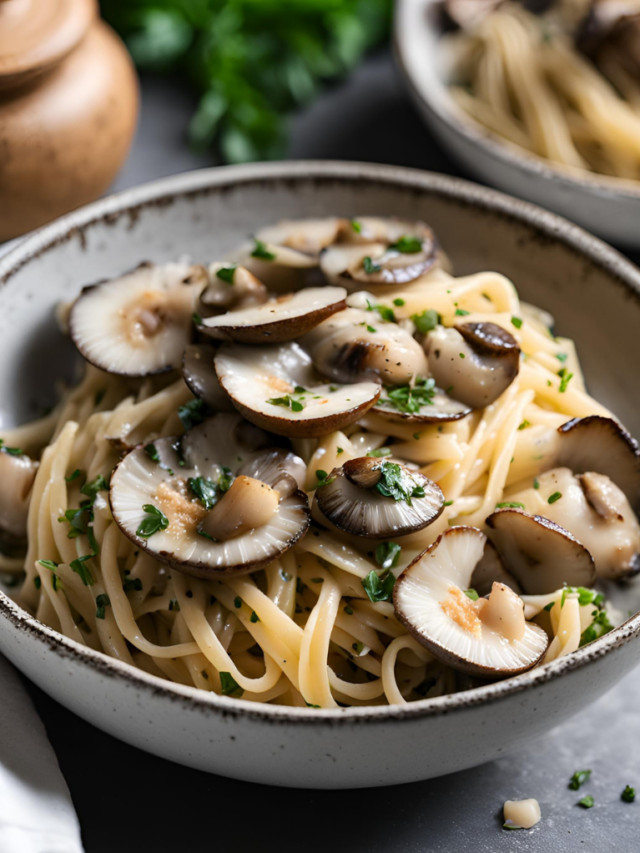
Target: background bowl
(594,294)
(607,206)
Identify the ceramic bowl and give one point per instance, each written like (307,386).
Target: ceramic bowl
(610,207)
(594,294)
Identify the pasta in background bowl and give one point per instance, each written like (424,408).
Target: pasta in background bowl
(171,625)
(527,110)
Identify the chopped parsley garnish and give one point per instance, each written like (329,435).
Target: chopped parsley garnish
(154,521)
(578,779)
(229,685)
(410,399)
(598,628)
(348,610)
(358,647)
(152,452)
(78,520)
(369,266)
(48,564)
(131,584)
(562,356)
(565,378)
(73,476)
(460,312)
(524,425)
(396,483)
(385,312)
(339,450)
(448,503)
(517,322)
(536,483)
(254,617)
(549,606)
(379,587)
(426,321)
(78,566)
(510,505)
(371,329)
(472,594)
(102,602)
(323,479)
(237,602)
(398,302)
(260,251)
(586,802)
(387,554)
(37,581)
(98,485)
(289,401)
(226,274)
(628,795)
(197,319)
(12,451)
(192,413)
(356,226)
(462,355)
(509,825)
(554,497)
(206,491)
(407,245)
(380,452)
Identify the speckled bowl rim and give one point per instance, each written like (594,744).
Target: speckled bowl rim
(604,186)
(203,182)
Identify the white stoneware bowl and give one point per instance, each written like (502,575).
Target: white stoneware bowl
(610,207)
(594,294)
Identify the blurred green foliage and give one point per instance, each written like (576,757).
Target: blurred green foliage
(253,61)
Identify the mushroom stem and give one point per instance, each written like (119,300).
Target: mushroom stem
(247,505)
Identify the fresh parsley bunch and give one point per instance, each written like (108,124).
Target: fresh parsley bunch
(253,60)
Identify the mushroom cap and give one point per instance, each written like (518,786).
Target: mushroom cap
(255,377)
(541,555)
(138,324)
(491,570)
(309,236)
(231,287)
(281,469)
(600,444)
(436,579)
(350,500)
(278,320)
(441,408)
(475,362)
(280,268)
(201,378)
(346,265)
(356,345)
(139,481)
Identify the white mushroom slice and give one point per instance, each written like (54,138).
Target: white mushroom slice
(377,263)
(377,498)
(279,468)
(356,345)
(475,362)
(274,387)
(601,444)
(167,509)
(309,236)
(491,570)
(278,320)
(201,378)
(541,555)
(17,473)
(487,638)
(231,287)
(596,511)
(420,403)
(140,323)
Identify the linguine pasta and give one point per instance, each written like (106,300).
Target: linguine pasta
(313,627)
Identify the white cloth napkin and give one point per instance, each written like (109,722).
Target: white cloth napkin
(36,812)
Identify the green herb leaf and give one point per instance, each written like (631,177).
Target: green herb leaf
(154,521)
(460,312)
(193,413)
(562,356)
(517,322)
(12,451)
(427,321)
(102,602)
(409,399)
(78,566)
(206,491)
(73,476)
(578,779)
(196,318)
(48,564)
(227,274)
(380,452)
(229,685)
(132,584)
(407,245)
(524,425)
(395,482)
(369,266)
(472,594)
(398,302)
(586,802)
(549,606)
(565,378)
(254,617)
(152,453)
(510,505)
(387,554)
(628,795)
(288,402)
(379,587)
(536,483)
(356,226)
(98,485)
(260,251)
(554,497)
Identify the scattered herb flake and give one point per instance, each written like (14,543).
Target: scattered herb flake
(524,425)
(260,251)
(510,505)
(227,274)
(565,378)
(628,795)
(472,594)
(387,555)
(369,266)
(586,802)
(578,779)
(73,476)
(554,497)
(410,399)
(426,321)
(398,302)
(378,587)
(229,685)
(206,491)
(152,452)
(407,245)
(517,322)
(102,602)
(78,566)
(192,413)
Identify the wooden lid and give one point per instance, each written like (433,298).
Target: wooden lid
(36,34)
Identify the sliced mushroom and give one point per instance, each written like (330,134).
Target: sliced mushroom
(491,570)
(276,388)
(420,403)
(281,268)
(309,236)
(393,256)
(279,468)
(231,288)
(183,505)
(489,637)
(278,320)
(140,323)
(17,473)
(601,444)
(201,378)
(378,498)
(596,511)
(356,345)
(541,555)
(475,362)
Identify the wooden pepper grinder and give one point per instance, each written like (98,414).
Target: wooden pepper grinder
(68,108)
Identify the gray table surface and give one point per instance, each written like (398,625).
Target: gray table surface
(131,802)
